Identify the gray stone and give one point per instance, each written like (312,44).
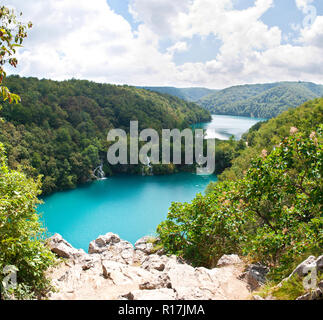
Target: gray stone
(158,281)
(319,264)
(102,243)
(155,262)
(159,294)
(304,268)
(229,260)
(62,248)
(255,276)
(145,245)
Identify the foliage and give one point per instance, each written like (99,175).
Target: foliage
(273,214)
(21,234)
(261,100)
(268,135)
(60,128)
(188,94)
(12,34)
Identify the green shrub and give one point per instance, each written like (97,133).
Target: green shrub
(21,234)
(273,215)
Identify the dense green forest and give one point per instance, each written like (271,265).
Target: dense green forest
(261,101)
(59,129)
(188,94)
(268,206)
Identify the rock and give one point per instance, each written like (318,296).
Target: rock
(255,276)
(110,247)
(159,294)
(304,268)
(193,294)
(257,298)
(64,249)
(116,272)
(158,281)
(102,243)
(319,264)
(155,262)
(181,275)
(145,245)
(320,286)
(229,260)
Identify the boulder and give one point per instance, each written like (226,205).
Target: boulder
(185,293)
(64,249)
(304,268)
(110,247)
(102,243)
(255,276)
(229,260)
(145,245)
(319,264)
(155,262)
(157,281)
(159,294)
(181,275)
(116,272)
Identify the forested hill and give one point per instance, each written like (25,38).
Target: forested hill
(261,100)
(59,129)
(188,94)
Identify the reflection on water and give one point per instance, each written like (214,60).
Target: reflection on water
(223,127)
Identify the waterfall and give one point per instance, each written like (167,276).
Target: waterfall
(99,173)
(147,170)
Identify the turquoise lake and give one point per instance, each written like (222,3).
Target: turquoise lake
(130,206)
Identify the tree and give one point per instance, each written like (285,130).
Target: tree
(22,244)
(12,34)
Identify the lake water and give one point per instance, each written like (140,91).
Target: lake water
(130,206)
(223,127)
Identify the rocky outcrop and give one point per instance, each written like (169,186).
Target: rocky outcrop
(255,275)
(63,249)
(114,269)
(228,260)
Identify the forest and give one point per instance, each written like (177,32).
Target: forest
(59,130)
(260,101)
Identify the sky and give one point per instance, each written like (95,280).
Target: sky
(183,43)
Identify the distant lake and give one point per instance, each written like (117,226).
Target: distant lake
(130,206)
(223,127)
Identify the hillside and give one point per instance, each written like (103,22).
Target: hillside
(188,94)
(267,135)
(262,101)
(59,129)
(266,207)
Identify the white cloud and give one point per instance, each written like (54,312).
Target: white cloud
(86,39)
(180,46)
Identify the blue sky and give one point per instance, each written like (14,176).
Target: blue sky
(182,43)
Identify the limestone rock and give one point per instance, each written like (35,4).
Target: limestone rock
(112,248)
(228,260)
(155,262)
(102,243)
(159,294)
(157,281)
(255,276)
(319,264)
(145,245)
(185,293)
(304,268)
(64,249)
